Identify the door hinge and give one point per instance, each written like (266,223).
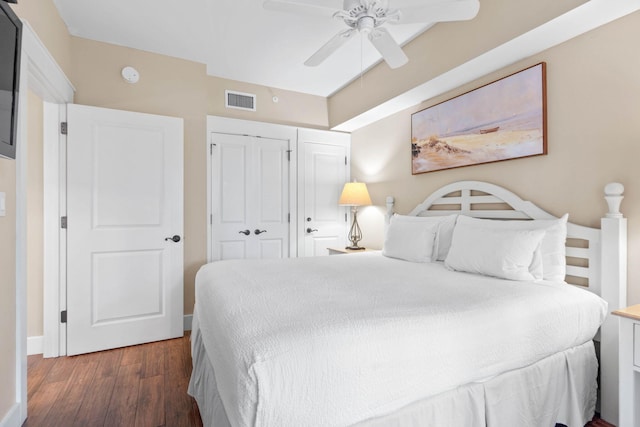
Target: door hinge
(63,128)
(345,217)
(345,160)
(289,217)
(289,155)
(63,222)
(63,316)
(211,219)
(211,148)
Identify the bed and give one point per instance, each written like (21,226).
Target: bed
(391,339)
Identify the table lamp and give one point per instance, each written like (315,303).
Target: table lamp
(355,194)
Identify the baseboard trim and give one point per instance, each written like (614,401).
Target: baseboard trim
(188,319)
(12,419)
(35,345)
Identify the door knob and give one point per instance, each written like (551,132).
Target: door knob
(258,231)
(309,219)
(245,232)
(175,238)
(311,230)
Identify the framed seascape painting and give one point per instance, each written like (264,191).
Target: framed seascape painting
(499,121)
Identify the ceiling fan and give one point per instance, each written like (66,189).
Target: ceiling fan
(367,17)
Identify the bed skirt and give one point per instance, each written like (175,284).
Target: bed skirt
(561,388)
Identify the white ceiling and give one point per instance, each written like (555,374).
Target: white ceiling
(236,39)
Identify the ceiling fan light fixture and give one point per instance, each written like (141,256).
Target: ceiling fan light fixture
(366,24)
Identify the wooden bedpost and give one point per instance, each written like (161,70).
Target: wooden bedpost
(614,291)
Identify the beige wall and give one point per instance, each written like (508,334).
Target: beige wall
(180,88)
(593,138)
(35,226)
(292,108)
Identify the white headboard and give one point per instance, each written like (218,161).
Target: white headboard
(596,258)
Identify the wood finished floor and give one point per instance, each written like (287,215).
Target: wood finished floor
(143,385)
(139,386)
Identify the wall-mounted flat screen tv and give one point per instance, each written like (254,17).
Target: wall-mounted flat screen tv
(10,38)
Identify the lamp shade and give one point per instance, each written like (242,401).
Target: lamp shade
(355,194)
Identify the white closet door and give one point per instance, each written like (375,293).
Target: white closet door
(124,203)
(250,197)
(325,173)
(271,195)
(231,188)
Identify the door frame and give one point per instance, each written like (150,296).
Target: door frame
(216,124)
(55,242)
(41,74)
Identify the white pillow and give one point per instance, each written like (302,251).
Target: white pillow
(552,249)
(445,224)
(506,254)
(409,240)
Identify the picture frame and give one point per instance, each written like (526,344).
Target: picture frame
(502,120)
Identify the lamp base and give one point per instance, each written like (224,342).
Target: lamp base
(355,248)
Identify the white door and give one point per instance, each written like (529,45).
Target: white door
(324,223)
(250,197)
(124,205)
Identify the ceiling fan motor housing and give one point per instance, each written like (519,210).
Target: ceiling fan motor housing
(365,15)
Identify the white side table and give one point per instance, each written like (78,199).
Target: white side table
(341,251)
(629,366)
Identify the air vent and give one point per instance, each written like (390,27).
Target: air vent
(240,101)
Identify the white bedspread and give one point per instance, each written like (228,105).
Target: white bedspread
(343,339)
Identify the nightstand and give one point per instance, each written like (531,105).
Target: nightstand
(629,366)
(342,251)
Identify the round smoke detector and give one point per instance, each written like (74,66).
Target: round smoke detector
(130,75)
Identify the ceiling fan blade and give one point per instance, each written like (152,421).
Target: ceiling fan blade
(299,8)
(442,11)
(331,46)
(390,50)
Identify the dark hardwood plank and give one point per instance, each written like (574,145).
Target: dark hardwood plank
(124,399)
(154,359)
(34,361)
(42,403)
(132,355)
(178,404)
(93,409)
(61,370)
(109,362)
(68,402)
(38,370)
(151,400)
(177,365)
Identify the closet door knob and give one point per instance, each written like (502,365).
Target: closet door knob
(175,238)
(311,230)
(257,231)
(245,232)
